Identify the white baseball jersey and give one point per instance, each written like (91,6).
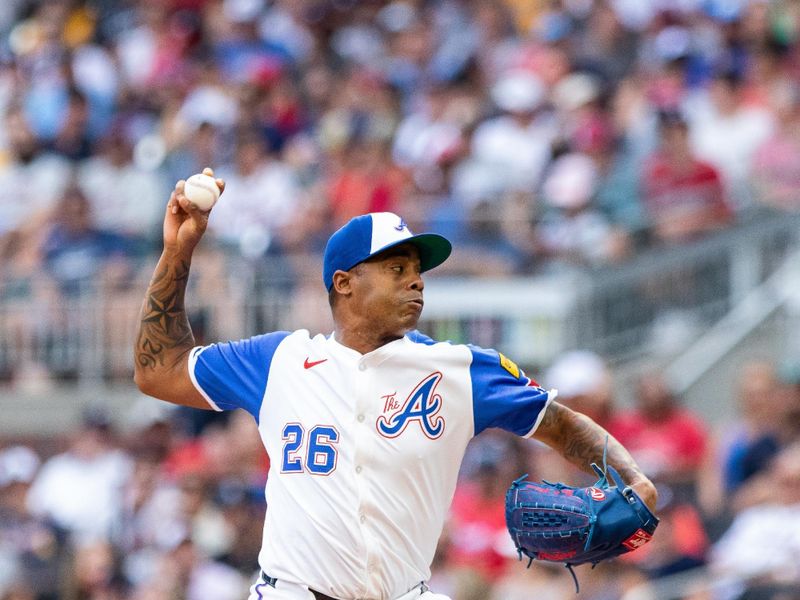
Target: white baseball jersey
(365,449)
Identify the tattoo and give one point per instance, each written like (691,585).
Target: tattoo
(582,441)
(164,326)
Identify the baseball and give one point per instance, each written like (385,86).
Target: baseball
(202,191)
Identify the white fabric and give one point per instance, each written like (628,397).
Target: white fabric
(377,558)
(387,228)
(365,449)
(82,495)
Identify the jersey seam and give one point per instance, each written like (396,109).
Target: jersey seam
(551,395)
(192,363)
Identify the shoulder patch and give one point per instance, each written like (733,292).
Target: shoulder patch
(509,365)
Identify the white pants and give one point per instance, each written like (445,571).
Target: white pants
(284,590)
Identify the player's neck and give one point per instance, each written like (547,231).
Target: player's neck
(363,341)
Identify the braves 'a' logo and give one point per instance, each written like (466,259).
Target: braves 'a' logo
(421,405)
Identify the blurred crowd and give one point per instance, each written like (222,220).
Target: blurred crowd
(167,503)
(536,134)
(539,135)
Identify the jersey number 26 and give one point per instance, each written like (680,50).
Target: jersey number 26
(320,455)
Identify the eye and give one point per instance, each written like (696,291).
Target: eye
(397,269)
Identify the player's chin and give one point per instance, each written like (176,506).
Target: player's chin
(408,320)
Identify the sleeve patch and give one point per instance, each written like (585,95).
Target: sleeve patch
(509,365)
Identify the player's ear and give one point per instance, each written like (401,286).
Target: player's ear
(343,282)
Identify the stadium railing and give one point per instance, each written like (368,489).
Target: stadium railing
(618,311)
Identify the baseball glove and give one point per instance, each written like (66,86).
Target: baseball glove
(559,523)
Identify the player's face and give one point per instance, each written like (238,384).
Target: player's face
(388,291)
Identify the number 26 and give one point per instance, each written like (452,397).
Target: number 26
(321,454)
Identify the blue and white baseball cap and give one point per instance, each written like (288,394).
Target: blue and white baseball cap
(367,235)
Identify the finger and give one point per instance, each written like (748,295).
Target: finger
(179,186)
(172,204)
(208,171)
(220,184)
(191,208)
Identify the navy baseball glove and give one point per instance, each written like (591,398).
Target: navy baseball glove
(559,523)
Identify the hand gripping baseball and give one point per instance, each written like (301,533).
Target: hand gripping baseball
(559,523)
(184,222)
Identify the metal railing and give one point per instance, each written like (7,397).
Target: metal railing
(88,336)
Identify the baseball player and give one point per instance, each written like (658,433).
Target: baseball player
(366,427)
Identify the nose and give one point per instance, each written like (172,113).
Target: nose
(417,284)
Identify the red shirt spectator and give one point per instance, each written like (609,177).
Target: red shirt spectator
(683,195)
(477,527)
(667,440)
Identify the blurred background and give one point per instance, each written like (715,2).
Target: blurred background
(621,181)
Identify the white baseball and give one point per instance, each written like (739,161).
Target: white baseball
(202,191)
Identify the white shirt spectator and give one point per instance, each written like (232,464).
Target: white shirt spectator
(255,207)
(81,494)
(125,199)
(763,540)
(729,141)
(30,189)
(506,156)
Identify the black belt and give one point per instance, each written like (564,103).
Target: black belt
(319,595)
(271,581)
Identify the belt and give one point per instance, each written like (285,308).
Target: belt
(419,589)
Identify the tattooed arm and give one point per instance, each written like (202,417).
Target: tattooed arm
(582,441)
(164,338)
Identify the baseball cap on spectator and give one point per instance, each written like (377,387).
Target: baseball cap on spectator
(571,181)
(367,235)
(672,43)
(518,91)
(576,373)
(18,464)
(242,11)
(576,90)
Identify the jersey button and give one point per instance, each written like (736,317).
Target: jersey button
(363,518)
(358,469)
(362,367)
(360,418)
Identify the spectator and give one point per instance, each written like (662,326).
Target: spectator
(125,199)
(744,448)
(510,151)
(668,440)
(31,181)
(683,196)
(77,253)
(262,198)
(584,384)
(93,574)
(776,163)
(575,232)
(762,544)
(477,534)
(726,132)
(81,489)
(34,546)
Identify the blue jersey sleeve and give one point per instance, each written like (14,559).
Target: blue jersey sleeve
(234,374)
(503,396)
